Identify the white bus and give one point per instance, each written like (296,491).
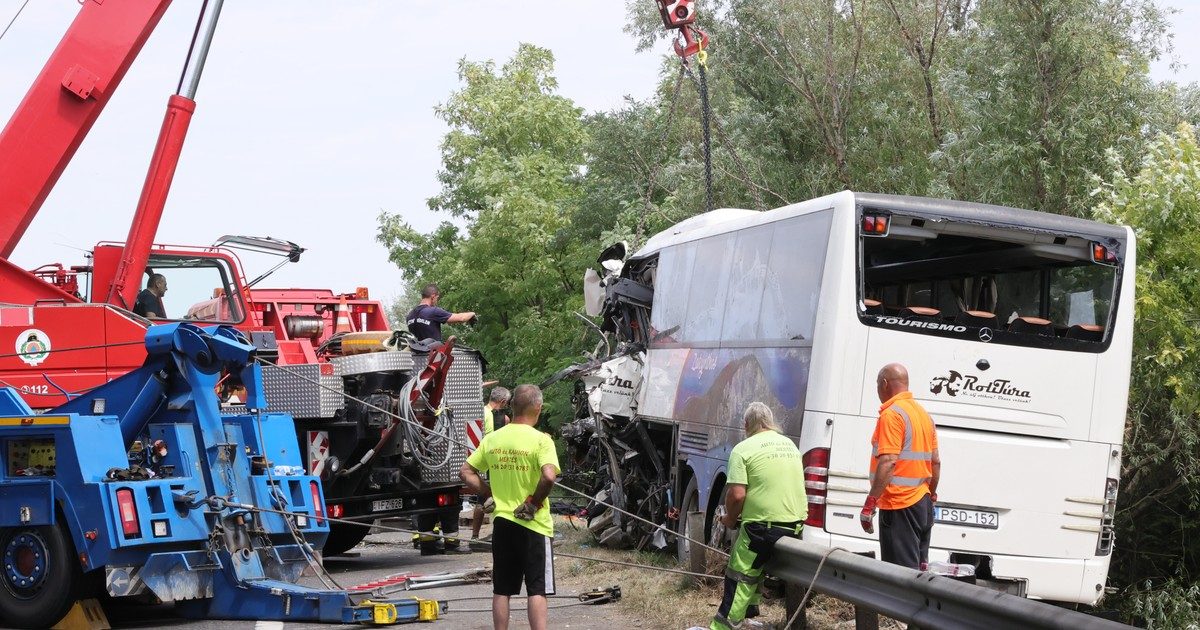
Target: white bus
(1016,328)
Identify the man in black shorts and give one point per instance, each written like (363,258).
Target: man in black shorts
(522,465)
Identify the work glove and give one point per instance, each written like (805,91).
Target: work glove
(489,505)
(527,510)
(868,514)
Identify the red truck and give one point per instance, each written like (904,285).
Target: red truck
(67,329)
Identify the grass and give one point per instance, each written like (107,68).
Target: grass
(658,599)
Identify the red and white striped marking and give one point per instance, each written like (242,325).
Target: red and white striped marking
(474,433)
(318,451)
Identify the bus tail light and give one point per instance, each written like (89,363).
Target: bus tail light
(1103,256)
(1104,544)
(314,491)
(127,510)
(875,224)
(816,481)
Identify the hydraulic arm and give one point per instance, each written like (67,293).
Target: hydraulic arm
(63,103)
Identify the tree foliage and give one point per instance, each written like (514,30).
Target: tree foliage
(511,175)
(1161,479)
(1039,104)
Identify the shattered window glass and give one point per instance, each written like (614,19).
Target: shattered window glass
(747,276)
(793,286)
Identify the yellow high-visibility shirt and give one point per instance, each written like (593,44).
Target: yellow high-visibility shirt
(513,456)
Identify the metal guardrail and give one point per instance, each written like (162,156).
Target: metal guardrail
(923,599)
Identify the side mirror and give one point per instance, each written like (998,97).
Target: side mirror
(616,251)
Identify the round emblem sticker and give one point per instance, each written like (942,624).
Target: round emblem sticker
(33,346)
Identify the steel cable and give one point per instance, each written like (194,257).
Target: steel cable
(14,19)
(421,428)
(402,530)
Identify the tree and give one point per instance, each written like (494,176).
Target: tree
(1157,531)
(1044,88)
(511,172)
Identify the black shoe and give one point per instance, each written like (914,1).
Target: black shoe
(752,612)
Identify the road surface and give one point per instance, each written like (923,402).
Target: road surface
(387,554)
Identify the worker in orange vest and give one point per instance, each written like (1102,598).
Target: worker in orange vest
(905,468)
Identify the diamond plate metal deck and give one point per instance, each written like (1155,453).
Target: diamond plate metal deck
(373,362)
(464,396)
(291,389)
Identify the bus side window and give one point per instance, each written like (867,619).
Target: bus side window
(793,286)
(706,299)
(748,275)
(672,281)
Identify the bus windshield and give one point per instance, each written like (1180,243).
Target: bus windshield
(997,284)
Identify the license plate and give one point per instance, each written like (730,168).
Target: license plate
(969,518)
(387,505)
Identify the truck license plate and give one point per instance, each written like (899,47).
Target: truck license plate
(969,518)
(387,505)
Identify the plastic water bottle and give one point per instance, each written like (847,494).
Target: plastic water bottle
(947,569)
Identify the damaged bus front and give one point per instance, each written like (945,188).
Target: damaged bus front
(1016,328)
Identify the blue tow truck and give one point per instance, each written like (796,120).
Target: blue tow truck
(147,486)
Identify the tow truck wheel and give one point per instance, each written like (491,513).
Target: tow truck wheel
(343,537)
(40,577)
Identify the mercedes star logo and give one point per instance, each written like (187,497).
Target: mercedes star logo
(985,334)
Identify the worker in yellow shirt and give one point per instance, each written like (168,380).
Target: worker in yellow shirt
(765,489)
(497,401)
(523,465)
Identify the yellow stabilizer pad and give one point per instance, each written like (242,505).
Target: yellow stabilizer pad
(86,614)
(427,610)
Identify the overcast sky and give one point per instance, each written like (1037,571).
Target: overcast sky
(311,119)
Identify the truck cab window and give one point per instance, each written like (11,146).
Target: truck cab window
(199,289)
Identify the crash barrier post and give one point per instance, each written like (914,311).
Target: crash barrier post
(922,599)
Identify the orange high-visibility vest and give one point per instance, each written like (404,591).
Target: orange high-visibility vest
(904,429)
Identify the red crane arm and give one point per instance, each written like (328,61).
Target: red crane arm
(63,103)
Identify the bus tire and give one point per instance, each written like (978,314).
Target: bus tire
(683,547)
(40,578)
(718,535)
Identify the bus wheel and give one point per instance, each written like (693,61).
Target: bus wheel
(718,535)
(683,546)
(40,576)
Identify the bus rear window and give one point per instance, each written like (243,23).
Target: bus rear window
(1001,285)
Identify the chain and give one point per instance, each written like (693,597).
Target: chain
(418,425)
(756,190)
(704,119)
